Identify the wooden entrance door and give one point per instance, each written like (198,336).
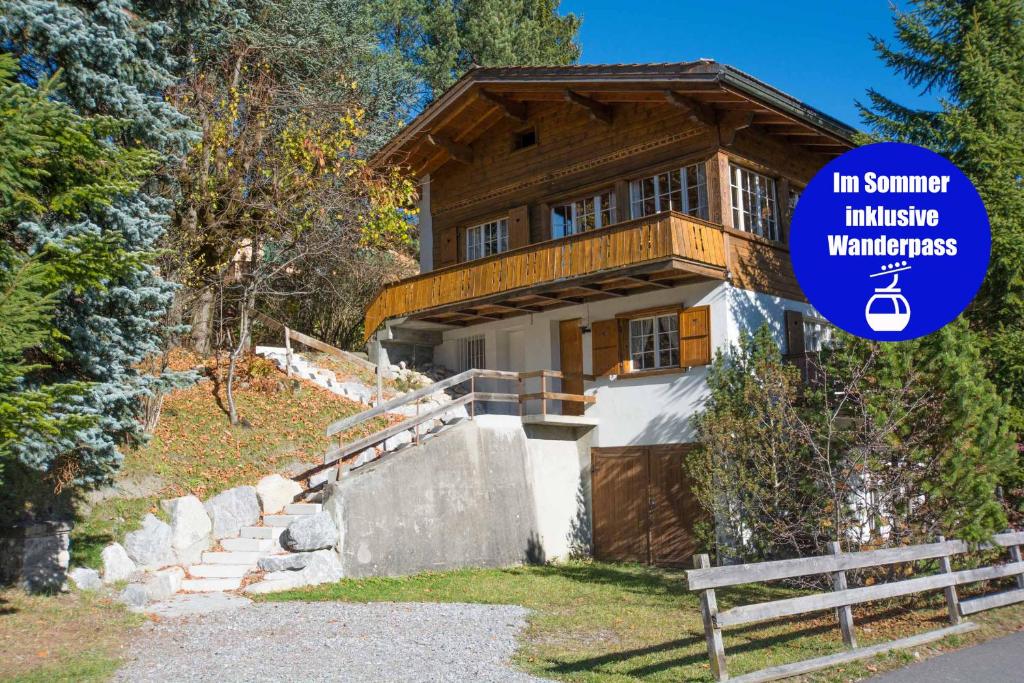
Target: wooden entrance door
(642,504)
(570,343)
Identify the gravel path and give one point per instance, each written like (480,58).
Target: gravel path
(331,641)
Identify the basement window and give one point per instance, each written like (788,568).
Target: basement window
(524,138)
(472,353)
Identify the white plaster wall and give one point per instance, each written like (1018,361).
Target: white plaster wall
(558,469)
(426,225)
(630,411)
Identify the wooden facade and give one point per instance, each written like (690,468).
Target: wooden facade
(593,130)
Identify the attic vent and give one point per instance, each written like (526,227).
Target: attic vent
(524,138)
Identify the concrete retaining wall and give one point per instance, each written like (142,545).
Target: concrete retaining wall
(482,494)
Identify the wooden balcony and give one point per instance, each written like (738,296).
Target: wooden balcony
(659,251)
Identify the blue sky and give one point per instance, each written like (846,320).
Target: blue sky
(818,52)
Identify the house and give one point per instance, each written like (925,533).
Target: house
(618,224)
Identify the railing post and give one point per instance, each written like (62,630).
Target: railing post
(952,600)
(712,634)
(472,401)
(543,390)
(519,390)
(416,427)
(844,612)
(288,351)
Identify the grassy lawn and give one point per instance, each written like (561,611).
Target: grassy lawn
(602,622)
(69,637)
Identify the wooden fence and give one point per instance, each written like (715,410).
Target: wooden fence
(706,579)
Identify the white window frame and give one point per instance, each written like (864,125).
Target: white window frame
(472,353)
(657,343)
(662,197)
(600,204)
(817,333)
(486,239)
(755,206)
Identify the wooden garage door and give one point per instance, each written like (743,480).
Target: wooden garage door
(643,508)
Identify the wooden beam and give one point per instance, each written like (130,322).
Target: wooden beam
(460,153)
(695,111)
(595,290)
(730,122)
(511,109)
(647,281)
(599,111)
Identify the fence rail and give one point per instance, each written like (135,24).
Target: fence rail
(706,579)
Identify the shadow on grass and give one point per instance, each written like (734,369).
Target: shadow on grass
(633,578)
(6,608)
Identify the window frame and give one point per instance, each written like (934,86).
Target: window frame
(811,322)
(598,211)
(739,173)
(501,239)
(656,334)
(680,173)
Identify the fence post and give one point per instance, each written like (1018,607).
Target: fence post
(288,351)
(952,600)
(712,634)
(1015,556)
(845,612)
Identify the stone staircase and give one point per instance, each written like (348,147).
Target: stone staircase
(224,570)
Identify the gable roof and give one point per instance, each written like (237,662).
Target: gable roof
(713,93)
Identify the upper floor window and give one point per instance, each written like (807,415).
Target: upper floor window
(654,342)
(487,239)
(753,203)
(588,213)
(684,190)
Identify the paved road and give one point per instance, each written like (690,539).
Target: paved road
(997,661)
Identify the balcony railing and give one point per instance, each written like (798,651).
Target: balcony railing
(631,243)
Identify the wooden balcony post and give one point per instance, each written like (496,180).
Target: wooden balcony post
(952,600)
(712,634)
(845,612)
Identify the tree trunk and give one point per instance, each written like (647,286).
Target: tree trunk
(202,321)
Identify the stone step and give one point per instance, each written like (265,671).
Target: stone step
(210,585)
(218,571)
(280,520)
(247,544)
(247,558)
(270,532)
(302,508)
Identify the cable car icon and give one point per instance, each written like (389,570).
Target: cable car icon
(888,310)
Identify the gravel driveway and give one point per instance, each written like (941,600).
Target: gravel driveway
(331,641)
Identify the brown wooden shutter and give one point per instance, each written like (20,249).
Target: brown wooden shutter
(695,336)
(449,252)
(519,227)
(604,340)
(794,333)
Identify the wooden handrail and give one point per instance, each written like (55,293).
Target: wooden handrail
(311,342)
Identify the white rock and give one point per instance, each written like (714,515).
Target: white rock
(323,566)
(233,509)
(310,532)
(86,579)
(279,563)
(134,595)
(150,546)
(190,527)
(275,492)
(163,584)
(117,566)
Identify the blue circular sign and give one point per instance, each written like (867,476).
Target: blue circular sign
(890,241)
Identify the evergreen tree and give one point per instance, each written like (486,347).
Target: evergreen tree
(112,65)
(443,39)
(971,55)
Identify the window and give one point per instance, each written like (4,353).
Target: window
(654,342)
(524,139)
(817,334)
(753,203)
(684,190)
(471,353)
(588,213)
(487,239)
